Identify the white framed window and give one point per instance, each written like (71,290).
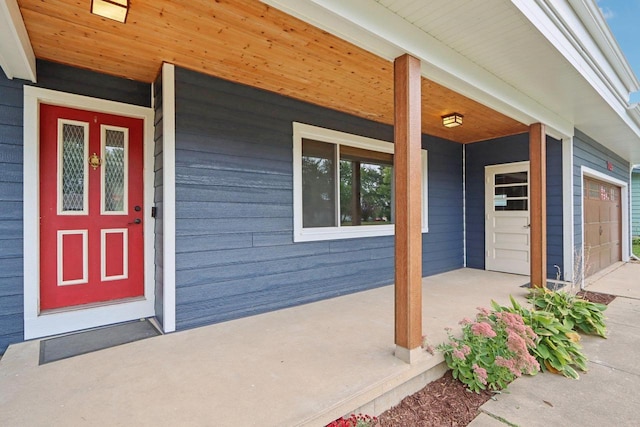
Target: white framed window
(343,185)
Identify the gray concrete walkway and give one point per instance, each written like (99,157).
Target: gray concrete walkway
(306,365)
(608,394)
(311,364)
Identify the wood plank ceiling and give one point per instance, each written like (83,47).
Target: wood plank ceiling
(250,43)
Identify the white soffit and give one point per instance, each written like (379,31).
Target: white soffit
(375,27)
(16,55)
(519,57)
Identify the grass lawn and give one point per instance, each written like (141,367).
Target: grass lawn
(636,248)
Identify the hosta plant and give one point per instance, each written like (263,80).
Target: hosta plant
(574,312)
(557,346)
(493,350)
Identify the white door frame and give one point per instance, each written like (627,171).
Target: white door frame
(53,322)
(489,202)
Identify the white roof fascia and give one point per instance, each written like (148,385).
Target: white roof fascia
(16,55)
(634,113)
(373,27)
(562,26)
(592,17)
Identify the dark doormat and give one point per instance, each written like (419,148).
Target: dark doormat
(95,339)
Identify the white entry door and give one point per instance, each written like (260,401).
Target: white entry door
(507,224)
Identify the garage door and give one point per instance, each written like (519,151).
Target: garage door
(602,221)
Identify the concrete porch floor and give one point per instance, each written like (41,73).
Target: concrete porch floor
(305,365)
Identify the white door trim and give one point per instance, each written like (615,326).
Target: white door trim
(60,321)
(169,197)
(489,203)
(624,198)
(568,236)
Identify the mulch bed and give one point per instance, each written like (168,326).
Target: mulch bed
(596,297)
(444,402)
(447,402)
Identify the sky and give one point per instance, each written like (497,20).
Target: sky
(623,17)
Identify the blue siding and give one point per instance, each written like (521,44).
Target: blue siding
(589,153)
(235,254)
(555,242)
(60,77)
(50,76)
(508,150)
(11,281)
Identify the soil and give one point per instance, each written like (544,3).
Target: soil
(444,402)
(447,402)
(596,297)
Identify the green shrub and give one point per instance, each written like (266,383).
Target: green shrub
(557,349)
(575,313)
(493,350)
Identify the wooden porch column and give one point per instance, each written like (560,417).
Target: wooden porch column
(538,204)
(408,206)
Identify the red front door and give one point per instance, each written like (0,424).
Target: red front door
(91,207)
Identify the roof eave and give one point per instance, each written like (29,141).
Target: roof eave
(16,55)
(592,17)
(577,29)
(375,28)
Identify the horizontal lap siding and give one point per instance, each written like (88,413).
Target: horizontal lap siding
(11,231)
(443,244)
(235,254)
(509,150)
(555,243)
(588,152)
(89,83)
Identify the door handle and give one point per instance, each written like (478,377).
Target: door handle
(526,226)
(135,221)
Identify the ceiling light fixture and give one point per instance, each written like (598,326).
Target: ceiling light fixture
(111,9)
(452,120)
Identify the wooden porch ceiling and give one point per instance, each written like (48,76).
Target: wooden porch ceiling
(247,42)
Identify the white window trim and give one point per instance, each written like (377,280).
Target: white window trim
(301,234)
(425,191)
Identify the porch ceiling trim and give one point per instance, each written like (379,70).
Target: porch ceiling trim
(384,33)
(16,55)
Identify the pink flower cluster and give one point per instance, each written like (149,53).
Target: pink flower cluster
(483,329)
(461,352)
(495,345)
(515,323)
(481,373)
(465,321)
(519,338)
